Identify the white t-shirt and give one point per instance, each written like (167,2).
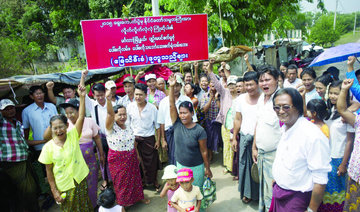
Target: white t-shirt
(268,126)
(311,95)
(164,110)
(338,136)
(187,199)
(294,84)
(116,208)
(248,114)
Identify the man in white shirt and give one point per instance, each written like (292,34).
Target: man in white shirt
(302,161)
(267,134)
(143,121)
(292,81)
(164,119)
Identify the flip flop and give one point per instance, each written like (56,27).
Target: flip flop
(103,187)
(246,200)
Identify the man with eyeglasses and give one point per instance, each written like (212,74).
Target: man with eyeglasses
(302,160)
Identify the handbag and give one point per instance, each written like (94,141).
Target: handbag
(209,190)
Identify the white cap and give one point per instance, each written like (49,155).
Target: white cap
(150,76)
(110,84)
(170,172)
(6,102)
(231,80)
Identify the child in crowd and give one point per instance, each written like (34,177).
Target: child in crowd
(106,201)
(188,197)
(317,111)
(170,186)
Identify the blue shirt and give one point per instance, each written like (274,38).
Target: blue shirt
(355,88)
(38,119)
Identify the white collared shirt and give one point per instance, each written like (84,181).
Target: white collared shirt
(311,95)
(102,112)
(125,100)
(143,124)
(268,126)
(164,110)
(294,84)
(302,157)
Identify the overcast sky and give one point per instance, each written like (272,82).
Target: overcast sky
(344,6)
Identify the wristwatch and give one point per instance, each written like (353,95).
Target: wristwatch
(309,209)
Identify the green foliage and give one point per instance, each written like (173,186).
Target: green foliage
(323,33)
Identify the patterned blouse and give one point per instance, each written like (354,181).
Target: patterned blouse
(354,163)
(120,139)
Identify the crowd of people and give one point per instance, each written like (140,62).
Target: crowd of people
(287,137)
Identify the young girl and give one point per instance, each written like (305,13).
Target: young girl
(321,84)
(318,112)
(107,203)
(188,197)
(170,186)
(340,134)
(190,91)
(308,77)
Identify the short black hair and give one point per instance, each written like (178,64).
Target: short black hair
(285,64)
(98,87)
(318,106)
(188,105)
(107,198)
(308,71)
(69,86)
(357,72)
(117,107)
(292,66)
(141,87)
(239,79)
(268,69)
(60,117)
(296,98)
(333,71)
(251,75)
(34,88)
(282,75)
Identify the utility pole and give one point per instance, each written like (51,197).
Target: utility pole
(155,7)
(355,24)
(335,13)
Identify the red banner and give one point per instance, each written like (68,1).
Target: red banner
(145,40)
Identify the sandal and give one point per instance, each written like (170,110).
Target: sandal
(246,200)
(103,187)
(236,178)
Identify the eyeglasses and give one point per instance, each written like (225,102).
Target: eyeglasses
(285,108)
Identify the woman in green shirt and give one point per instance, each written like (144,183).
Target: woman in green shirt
(66,168)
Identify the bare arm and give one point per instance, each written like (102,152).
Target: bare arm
(173,110)
(139,75)
(177,207)
(348,149)
(83,76)
(196,74)
(208,104)
(164,190)
(98,143)
(254,148)
(50,92)
(110,117)
(50,176)
(80,121)
(237,125)
(341,102)
(317,196)
(47,134)
(350,63)
(198,204)
(162,137)
(203,150)
(246,58)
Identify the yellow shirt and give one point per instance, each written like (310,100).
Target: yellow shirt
(68,161)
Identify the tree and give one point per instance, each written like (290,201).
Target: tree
(243,22)
(323,33)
